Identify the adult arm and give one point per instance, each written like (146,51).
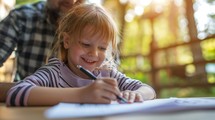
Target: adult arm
(9,32)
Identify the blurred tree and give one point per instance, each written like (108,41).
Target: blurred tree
(21,2)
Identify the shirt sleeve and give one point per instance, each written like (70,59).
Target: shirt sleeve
(18,94)
(126,83)
(9,32)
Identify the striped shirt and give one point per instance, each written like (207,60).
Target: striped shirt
(27,31)
(57,74)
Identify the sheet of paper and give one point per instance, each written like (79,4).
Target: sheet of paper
(70,110)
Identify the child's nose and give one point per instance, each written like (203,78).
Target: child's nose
(93,51)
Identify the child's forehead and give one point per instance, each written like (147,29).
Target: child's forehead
(95,38)
(90,32)
(89,29)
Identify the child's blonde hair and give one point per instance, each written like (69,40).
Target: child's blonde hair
(77,19)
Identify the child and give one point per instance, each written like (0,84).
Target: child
(86,37)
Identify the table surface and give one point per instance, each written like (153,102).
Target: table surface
(37,113)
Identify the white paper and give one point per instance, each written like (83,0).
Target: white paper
(70,110)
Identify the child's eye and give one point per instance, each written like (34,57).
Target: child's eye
(103,48)
(85,44)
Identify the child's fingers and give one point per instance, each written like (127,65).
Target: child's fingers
(107,89)
(110,85)
(96,93)
(125,94)
(103,99)
(109,95)
(138,98)
(132,96)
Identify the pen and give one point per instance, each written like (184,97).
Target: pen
(88,73)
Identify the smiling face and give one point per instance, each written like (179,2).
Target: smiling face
(84,34)
(89,51)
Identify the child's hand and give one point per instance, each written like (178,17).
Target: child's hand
(103,90)
(132,96)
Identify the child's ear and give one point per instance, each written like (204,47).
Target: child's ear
(66,40)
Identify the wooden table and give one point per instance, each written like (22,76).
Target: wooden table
(37,113)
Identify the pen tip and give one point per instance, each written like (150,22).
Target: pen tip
(78,66)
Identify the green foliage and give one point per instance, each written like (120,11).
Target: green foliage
(139,76)
(132,64)
(128,64)
(21,2)
(163,77)
(136,37)
(210,1)
(208,49)
(188,92)
(211,77)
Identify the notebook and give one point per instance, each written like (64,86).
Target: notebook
(72,110)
